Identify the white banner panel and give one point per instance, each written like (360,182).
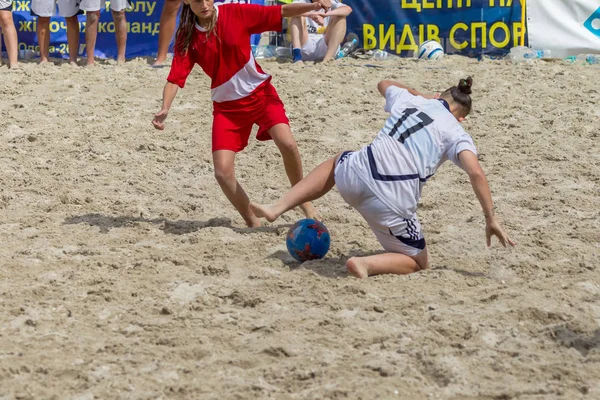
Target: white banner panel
(566,27)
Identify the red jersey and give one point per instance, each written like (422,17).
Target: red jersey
(225,55)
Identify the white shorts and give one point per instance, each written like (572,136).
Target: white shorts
(5,5)
(47,8)
(395,233)
(315,48)
(96,5)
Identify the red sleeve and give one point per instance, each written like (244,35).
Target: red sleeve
(258,19)
(181,67)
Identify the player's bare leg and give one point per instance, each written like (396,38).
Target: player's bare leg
(120,34)
(43,34)
(387,263)
(315,185)
(91,34)
(10,38)
(334,37)
(299,33)
(73,39)
(225,174)
(168,20)
(283,138)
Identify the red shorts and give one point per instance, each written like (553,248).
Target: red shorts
(233,120)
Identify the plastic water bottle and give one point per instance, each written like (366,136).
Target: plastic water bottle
(588,58)
(27,54)
(349,46)
(521,53)
(380,55)
(283,53)
(264,52)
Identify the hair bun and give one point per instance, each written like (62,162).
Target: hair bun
(464,85)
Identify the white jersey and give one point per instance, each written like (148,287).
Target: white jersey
(418,137)
(312,26)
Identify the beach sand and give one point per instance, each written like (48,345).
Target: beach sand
(126,273)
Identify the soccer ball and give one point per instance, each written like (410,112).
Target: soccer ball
(307,240)
(430,50)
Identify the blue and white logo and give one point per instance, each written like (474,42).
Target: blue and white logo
(593,23)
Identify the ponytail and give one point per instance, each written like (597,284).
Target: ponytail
(461,94)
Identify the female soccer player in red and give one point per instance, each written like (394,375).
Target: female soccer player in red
(218,39)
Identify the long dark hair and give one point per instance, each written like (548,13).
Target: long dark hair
(187,24)
(461,94)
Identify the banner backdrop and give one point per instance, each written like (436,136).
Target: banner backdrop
(142,29)
(567,28)
(468,27)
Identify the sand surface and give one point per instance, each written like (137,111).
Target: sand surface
(125,272)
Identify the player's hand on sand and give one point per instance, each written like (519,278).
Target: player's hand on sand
(159,119)
(493,228)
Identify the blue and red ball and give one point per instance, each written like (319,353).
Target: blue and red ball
(307,240)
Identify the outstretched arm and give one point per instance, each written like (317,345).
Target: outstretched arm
(385,84)
(481,188)
(297,9)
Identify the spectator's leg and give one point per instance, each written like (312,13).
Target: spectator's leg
(10,37)
(73,38)
(121,34)
(336,31)
(91,33)
(43,34)
(168,19)
(299,33)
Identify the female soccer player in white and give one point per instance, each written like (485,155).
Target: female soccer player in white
(383,181)
(218,39)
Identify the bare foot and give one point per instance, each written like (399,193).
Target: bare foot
(264,211)
(73,64)
(357,267)
(14,66)
(121,62)
(253,223)
(309,211)
(44,61)
(158,62)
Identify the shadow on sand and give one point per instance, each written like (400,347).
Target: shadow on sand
(180,227)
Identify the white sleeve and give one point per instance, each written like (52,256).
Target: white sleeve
(394,94)
(462,142)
